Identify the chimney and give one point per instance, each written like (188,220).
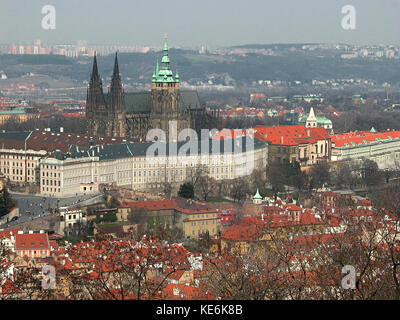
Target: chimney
(281,139)
(61,129)
(309,132)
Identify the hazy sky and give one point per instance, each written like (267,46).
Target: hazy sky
(193,23)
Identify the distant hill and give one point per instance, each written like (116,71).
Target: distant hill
(220,69)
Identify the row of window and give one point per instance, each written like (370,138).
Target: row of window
(202,223)
(202,231)
(50,189)
(50,174)
(6,156)
(50,182)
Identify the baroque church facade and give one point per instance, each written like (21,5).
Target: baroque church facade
(132,115)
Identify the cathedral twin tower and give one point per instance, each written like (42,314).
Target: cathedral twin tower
(102,119)
(108,116)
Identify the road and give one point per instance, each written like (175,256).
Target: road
(32,206)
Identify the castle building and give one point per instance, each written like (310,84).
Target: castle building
(130,165)
(132,115)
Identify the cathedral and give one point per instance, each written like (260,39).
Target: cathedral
(132,115)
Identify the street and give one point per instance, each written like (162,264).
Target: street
(33,206)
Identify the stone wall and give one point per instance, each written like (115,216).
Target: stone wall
(44,223)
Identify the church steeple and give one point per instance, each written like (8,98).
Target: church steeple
(116,68)
(95,102)
(164,74)
(95,72)
(311,121)
(117,102)
(116,91)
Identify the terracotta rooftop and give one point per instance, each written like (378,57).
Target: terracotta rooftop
(290,135)
(362,137)
(29,241)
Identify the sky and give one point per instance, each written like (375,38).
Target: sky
(217,23)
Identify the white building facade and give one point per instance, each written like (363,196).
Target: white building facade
(124,165)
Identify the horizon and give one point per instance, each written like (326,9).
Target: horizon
(207,23)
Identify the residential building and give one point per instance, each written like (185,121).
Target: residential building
(307,146)
(196,218)
(32,245)
(18,114)
(7,239)
(381,147)
(71,219)
(21,151)
(192,217)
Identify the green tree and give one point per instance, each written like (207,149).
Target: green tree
(186,190)
(343,176)
(320,175)
(276,177)
(138,215)
(371,174)
(6,202)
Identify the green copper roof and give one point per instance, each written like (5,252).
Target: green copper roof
(257,195)
(320,119)
(164,74)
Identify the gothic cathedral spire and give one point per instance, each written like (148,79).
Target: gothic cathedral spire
(95,72)
(117,102)
(95,103)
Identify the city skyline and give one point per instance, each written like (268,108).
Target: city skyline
(206,23)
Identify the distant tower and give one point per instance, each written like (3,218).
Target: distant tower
(311,121)
(257,198)
(97,115)
(165,97)
(117,105)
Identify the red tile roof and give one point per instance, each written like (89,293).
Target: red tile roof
(164,204)
(8,233)
(290,135)
(362,137)
(31,241)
